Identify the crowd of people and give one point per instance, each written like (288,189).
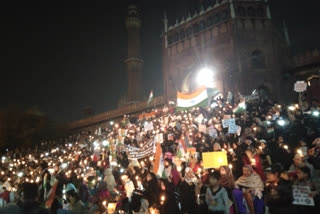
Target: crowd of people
(273,164)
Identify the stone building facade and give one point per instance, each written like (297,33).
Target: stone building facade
(235,37)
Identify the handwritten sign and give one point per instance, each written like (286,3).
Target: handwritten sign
(227,122)
(234,129)
(148,126)
(138,153)
(301,195)
(300,86)
(212,131)
(159,138)
(214,159)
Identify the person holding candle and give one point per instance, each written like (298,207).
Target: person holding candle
(151,192)
(28,204)
(168,203)
(278,192)
(252,157)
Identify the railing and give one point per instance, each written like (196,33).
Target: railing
(128,109)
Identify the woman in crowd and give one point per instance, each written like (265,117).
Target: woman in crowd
(227,182)
(167,200)
(252,157)
(171,172)
(250,187)
(188,189)
(217,196)
(151,192)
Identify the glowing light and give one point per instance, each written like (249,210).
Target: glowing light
(316,113)
(64,165)
(205,77)
(105,143)
(286,147)
(20,174)
(253,161)
(281,122)
(299,151)
(291,108)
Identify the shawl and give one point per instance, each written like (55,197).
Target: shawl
(253,181)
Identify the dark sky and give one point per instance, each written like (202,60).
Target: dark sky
(64,57)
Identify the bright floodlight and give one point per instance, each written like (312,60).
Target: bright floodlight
(281,122)
(205,77)
(316,113)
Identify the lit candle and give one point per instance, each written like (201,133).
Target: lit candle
(253,162)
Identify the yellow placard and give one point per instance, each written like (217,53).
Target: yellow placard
(214,159)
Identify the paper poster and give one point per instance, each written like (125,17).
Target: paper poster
(301,195)
(159,138)
(202,128)
(214,159)
(234,129)
(212,131)
(148,126)
(227,122)
(199,118)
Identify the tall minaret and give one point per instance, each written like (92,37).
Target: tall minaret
(134,61)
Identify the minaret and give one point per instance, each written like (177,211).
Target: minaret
(134,61)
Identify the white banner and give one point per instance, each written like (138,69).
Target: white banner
(138,153)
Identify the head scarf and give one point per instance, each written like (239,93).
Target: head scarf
(253,181)
(192,179)
(218,146)
(227,180)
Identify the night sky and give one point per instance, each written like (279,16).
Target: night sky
(65,57)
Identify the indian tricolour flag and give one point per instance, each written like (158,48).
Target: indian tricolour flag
(240,107)
(190,100)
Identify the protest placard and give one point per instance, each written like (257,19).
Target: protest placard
(227,122)
(214,159)
(212,131)
(234,129)
(159,138)
(148,126)
(140,152)
(301,195)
